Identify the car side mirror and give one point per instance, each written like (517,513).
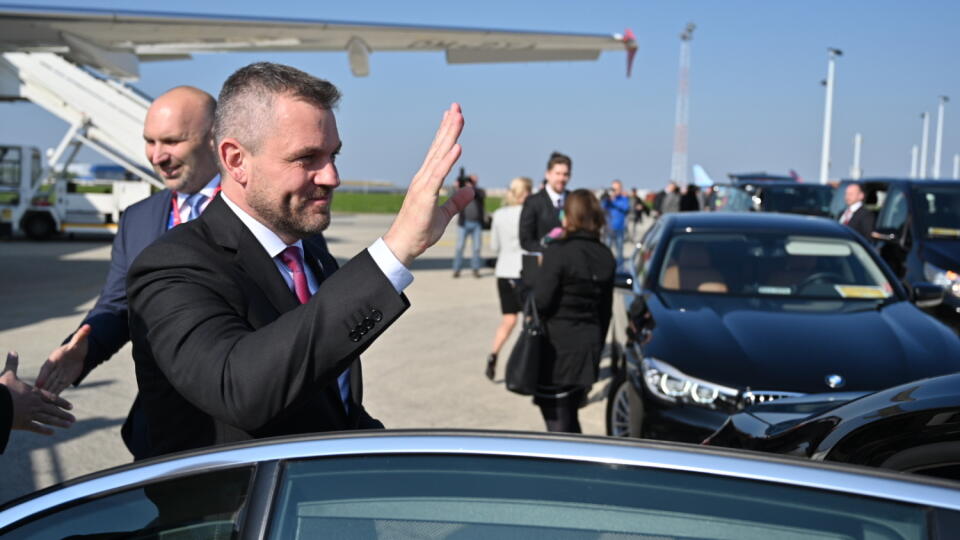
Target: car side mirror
(927,295)
(623,280)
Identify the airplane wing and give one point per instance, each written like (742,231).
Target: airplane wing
(115,42)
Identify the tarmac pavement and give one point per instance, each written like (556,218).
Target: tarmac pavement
(426,371)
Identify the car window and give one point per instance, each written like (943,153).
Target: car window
(203,505)
(9,166)
(771,264)
(894,213)
(478,497)
(938,211)
(799,199)
(731,199)
(650,243)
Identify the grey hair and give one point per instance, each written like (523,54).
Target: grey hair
(245,105)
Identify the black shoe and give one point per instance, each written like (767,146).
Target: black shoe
(476,273)
(491,365)
(456,273)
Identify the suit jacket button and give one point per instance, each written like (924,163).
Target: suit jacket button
(376,315)
(368,324)
(355,336)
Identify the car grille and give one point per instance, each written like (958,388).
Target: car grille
(754,397)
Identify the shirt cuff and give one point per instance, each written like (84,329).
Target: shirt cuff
(396,272)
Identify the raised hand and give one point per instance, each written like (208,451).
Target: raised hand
(33,409)
(65,363)
(420,221)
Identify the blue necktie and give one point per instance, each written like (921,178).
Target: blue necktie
(195,202)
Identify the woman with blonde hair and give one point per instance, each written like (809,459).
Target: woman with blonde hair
(505,242)
(574,297)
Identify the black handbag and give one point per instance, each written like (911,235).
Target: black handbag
(523,366)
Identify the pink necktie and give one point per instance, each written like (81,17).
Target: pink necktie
(292,260)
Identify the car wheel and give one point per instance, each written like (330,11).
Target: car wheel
(939,459)
(624,408)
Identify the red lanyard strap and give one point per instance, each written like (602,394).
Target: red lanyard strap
(175,211)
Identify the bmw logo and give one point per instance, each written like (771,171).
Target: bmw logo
(835,381)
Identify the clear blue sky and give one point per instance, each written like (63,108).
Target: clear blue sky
(756,100)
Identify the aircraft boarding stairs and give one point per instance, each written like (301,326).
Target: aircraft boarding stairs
(103,114)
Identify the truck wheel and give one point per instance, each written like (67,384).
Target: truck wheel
(38,226)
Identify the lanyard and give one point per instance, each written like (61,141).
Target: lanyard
(175,210)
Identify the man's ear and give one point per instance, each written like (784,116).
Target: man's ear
(233,156)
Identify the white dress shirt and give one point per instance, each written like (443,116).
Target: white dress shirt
(554,196)
(208,190)
(851,210)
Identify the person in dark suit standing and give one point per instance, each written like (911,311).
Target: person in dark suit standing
(179,145)
(574,296)
(541,211)
(856,216)
(28,408)
(241,329)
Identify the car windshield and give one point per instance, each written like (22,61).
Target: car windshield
(730,199)
(797,199)
(938,211)
(771,264)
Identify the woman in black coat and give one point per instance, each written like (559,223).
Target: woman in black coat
(574,294)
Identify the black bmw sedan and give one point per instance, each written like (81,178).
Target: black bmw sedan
(730,310)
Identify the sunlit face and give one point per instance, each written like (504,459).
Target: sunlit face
(291,178)
(853,194)
(178,145)
(558,176)
(617,187)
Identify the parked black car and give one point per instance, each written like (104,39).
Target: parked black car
(774,196)
(728,310)
(914,427)
(917,232)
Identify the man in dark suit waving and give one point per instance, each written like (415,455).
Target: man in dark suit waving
(179,145)
(856,216)
(541,211)
(241,329)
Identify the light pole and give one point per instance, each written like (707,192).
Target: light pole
(956,166)
(914,157)
(925,117)
(938,145)
(856,171)
(828,115)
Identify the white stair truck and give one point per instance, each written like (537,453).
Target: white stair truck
(105,115)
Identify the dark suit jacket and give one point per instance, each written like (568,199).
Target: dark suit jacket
(6,416)
(574,295)
(224,351)
(140,225)
(862,222)
(538,217)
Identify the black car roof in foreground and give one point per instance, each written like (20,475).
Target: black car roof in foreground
(756,222)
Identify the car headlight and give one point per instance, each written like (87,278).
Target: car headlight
(670,384)
(947,279)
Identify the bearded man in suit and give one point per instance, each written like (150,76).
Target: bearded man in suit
(241,329)
(541,211)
